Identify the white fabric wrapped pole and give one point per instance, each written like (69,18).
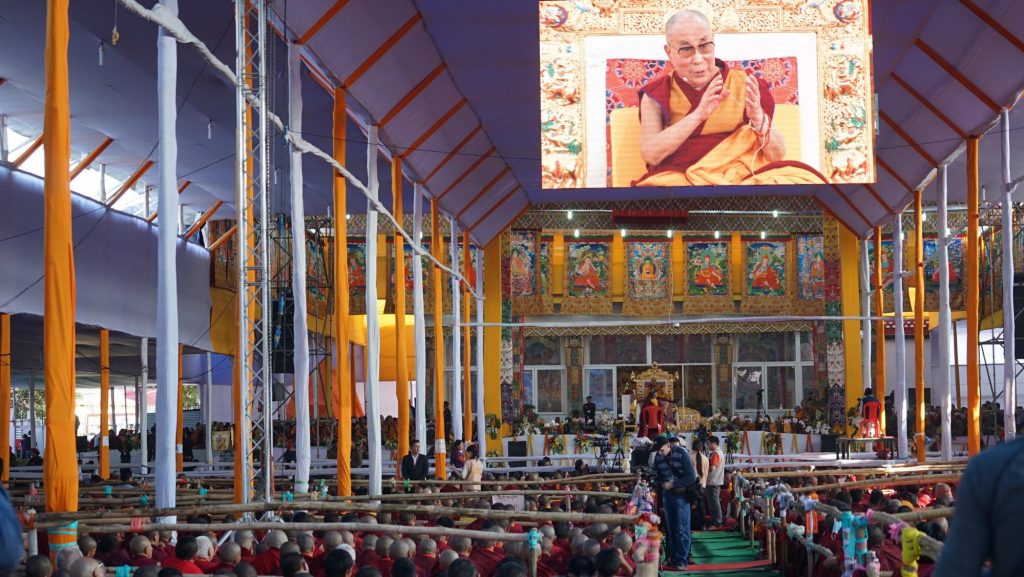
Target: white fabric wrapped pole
(456,335)
(142,402)
(901,344)
(301,352)
(945,324)
(481,419)
(1009,313)
(419,320)
(372,380)
(167,270)
(865,309)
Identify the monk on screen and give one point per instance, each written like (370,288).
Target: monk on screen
(707,124)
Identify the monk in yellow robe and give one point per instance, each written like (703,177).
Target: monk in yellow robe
(706,124)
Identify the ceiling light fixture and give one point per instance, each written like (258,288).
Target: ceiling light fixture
(102,51)
(623,233)
(568,214)
(209,130)
(763,235)
(718,234)
(576,233)
(669,233)
(775,214)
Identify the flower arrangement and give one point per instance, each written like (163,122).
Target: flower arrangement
(584,443)
(495,464)
(524,427)
(493,425)
(391,444)
(732,442)
(556,444)
(764,423)
(770,443)
(604,419)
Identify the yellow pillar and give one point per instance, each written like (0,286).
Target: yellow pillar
(849,256)
(5,395)
(104,441)
(341,394)
(879,326)
(401,351)
(492,335)
(437,248)
(973,296)
(467,348)
(919,327)
(59,475)
(179,431)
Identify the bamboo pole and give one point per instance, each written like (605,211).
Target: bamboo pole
(870,471)
(891,482)
(353,527)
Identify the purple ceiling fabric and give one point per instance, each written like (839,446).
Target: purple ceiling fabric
(115,265)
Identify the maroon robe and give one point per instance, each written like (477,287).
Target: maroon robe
(425,565)
(486,560)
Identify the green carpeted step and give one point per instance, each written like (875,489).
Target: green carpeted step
(725,548)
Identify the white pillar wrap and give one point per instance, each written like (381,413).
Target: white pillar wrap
(1009,314)
(420,341)
(208,414)
(900,386)
(143,407)
(301,356)
(481,418)
(945,325)
(457,432)
(372,384)
(167,270)
(865,309)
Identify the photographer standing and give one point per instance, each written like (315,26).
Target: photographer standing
(677,480)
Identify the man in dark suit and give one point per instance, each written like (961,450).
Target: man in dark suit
(415,465)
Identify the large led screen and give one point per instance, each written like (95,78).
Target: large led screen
(666,93)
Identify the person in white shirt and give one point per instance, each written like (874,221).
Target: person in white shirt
(716,478)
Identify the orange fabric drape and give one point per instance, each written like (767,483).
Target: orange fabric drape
(60,471)
(973,296)
(342,391)
(437,247)
(104,442)
(179,431)
(919,328)
(5,394)
(467,350)
(401,349)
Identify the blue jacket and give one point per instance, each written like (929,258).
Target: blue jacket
(988,516)
(10,534)
(680,460)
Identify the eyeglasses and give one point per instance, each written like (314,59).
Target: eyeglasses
(688,52)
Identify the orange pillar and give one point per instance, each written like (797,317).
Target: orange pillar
(973,296)
(5,395)
(919,328)
(60,473)
(436,246)
(879,326)
(104,444)
(467,351)
(401,347)
(341,392)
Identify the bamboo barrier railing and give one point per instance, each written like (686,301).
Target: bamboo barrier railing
(888,482)
(865,471)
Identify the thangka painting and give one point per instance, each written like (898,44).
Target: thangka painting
(428,284)
(546,303)
(810,255)
(888,265)
(524,273)
(932,272)
(318,284)
(587,276)
(707,276)
(357,276)
(648,277)
(766,269)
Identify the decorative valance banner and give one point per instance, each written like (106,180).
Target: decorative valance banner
(588,276)
(768,275)
(707,276)
(527,274)
(648,277)
(956,273)
(357,276)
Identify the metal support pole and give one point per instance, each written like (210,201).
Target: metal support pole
(143,403)
(456,334)
(865,309)
(481,420)
(32,409)
(208,406)
(1009,313)
(419,321)
(103,183)
(945,323)
(372,380)
(900,386)
(919,408)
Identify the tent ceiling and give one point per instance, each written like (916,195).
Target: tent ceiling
(488,92)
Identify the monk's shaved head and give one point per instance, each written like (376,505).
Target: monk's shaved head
(687,16)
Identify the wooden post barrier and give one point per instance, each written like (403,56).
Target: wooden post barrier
(888,482)
(867,471)
(271,525)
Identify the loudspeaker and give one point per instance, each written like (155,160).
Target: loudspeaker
(282,333)
(1018,306)
(828,443)
(640,457)
(517,449)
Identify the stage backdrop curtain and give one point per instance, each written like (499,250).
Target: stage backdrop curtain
(588,276)
(648,277)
